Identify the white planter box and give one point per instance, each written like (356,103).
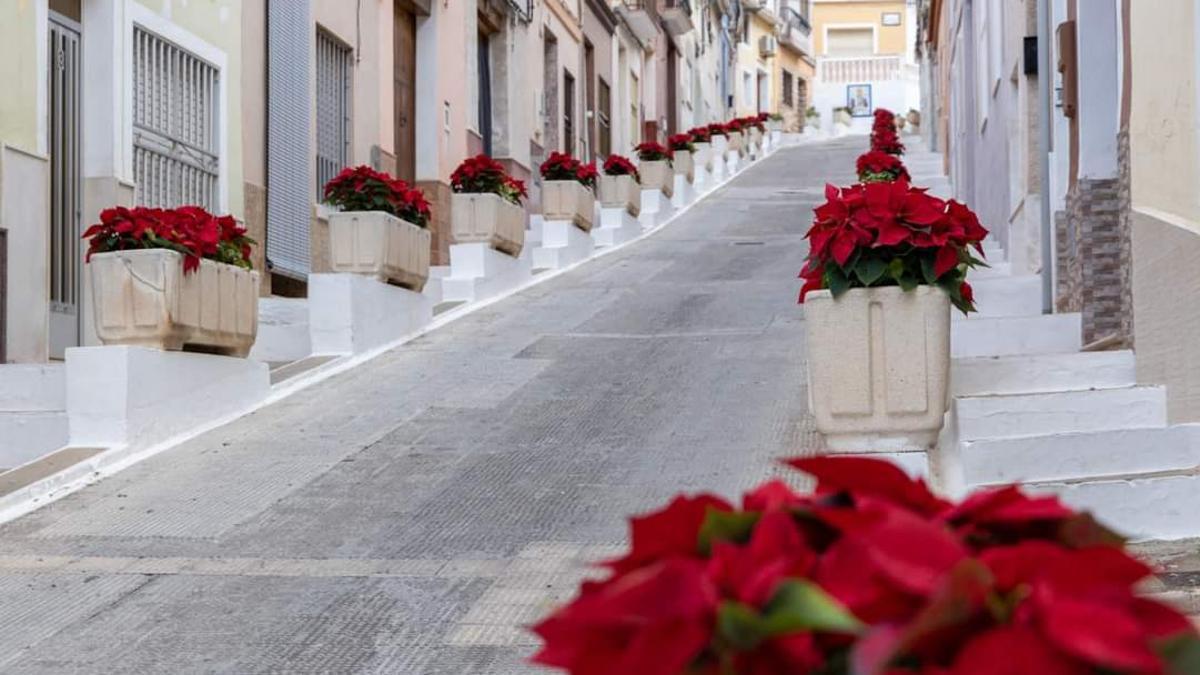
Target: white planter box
(568,200)
(755,137)
(703,155)
(720,143)
(487,218)
(842,117)
(380,245)
(143,298)
(879,367)
(737,141)
(685,165)
(620,192)
(657,174)
(774,125)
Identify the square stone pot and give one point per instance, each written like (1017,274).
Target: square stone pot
(720,143)
(568,200)
(484,217)
(737,141)
(879,367)
(620,192)
(774,125)
(756,137)
(703,155)
(657,174)
(685,165)
(143,298)
(380,245)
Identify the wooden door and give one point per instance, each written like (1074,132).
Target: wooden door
(405,93)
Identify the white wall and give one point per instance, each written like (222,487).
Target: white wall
(895,95)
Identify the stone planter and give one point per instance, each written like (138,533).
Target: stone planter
(568,200)
(737,141)
(774,125)
(684,164)
(483,217)
(380,245)
(842,117)
(756,138)
(703,155)
(657,174)
(880,367)
(143,298)
(720,143)
(620,192)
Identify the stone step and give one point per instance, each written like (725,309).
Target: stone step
(1006,296)
(283,330)
(1042,373)
(32,387)
(1000,269)
(1021,415)
(1010,336)
(26,436)
(1142,506)
(1082,455)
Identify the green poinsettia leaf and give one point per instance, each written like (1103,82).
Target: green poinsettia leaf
(927,269)
(836,281)
(740,626)
(719,525)
(799,604)
(908,282)
(1182,654)
(870,270)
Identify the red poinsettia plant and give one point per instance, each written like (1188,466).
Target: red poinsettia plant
(189,230)
(735,125)
(892,234)
(718,129)
(876,166)
(754,122)
(362,188)
(651,151)
(616,165)
(884,137)
(482,174)
(681,143)
(700,134)
(871,574)
(561,166)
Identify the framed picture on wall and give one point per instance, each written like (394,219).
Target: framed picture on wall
(858,99)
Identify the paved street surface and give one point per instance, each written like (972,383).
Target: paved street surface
(410,516)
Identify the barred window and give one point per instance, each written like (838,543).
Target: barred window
(175,135)
(333,108)
(788,87)
(603,115)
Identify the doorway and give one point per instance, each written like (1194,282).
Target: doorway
(404,69)
(485,92)
(66,182)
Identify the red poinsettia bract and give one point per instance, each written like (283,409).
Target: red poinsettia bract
(651,151)
(616,165)
(876,166)
(561,166)
(362,188)
(891,234)
(482,174)
(872,574)
(189,230)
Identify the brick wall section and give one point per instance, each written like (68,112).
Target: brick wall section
(1067,296)
(1124,216)
(1090,261)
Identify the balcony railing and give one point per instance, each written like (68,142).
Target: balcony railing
(864,69)
(796,21)
(677,16)
(641,16)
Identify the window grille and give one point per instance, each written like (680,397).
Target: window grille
(175,134)
(787,89)
(604,107)
(334,66)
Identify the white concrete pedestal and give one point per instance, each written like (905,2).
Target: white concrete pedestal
(655,208)
(563,244)
(702,181)
(353,313)
(139,396)
(617,226)
(718,170)
(478,272)
(683,194)
(283,332)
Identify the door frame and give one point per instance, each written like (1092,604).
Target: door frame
(66,319)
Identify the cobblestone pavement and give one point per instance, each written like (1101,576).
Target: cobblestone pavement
(412,515)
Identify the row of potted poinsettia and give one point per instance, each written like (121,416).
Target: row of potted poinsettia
(886,261)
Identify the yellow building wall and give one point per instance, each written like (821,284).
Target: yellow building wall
(219,23)
(890,39)
(19,71)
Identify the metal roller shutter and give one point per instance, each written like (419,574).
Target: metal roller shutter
(289,177)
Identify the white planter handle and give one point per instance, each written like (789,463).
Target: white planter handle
(143,298)
(381,245)
(880,367)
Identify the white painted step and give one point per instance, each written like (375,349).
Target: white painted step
(283,330)
(1140,506)
(26,436)
(995,270)
(1007,336)
(32,387)
(1006,296)
(1040,373)
(1081,455)
(1018,415)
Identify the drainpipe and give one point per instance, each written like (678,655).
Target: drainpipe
(1046,107)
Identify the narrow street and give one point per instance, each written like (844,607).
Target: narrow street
(411,515)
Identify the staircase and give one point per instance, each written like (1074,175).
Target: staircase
(1029,407)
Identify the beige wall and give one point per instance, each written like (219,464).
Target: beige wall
(21,70)
(890,39)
